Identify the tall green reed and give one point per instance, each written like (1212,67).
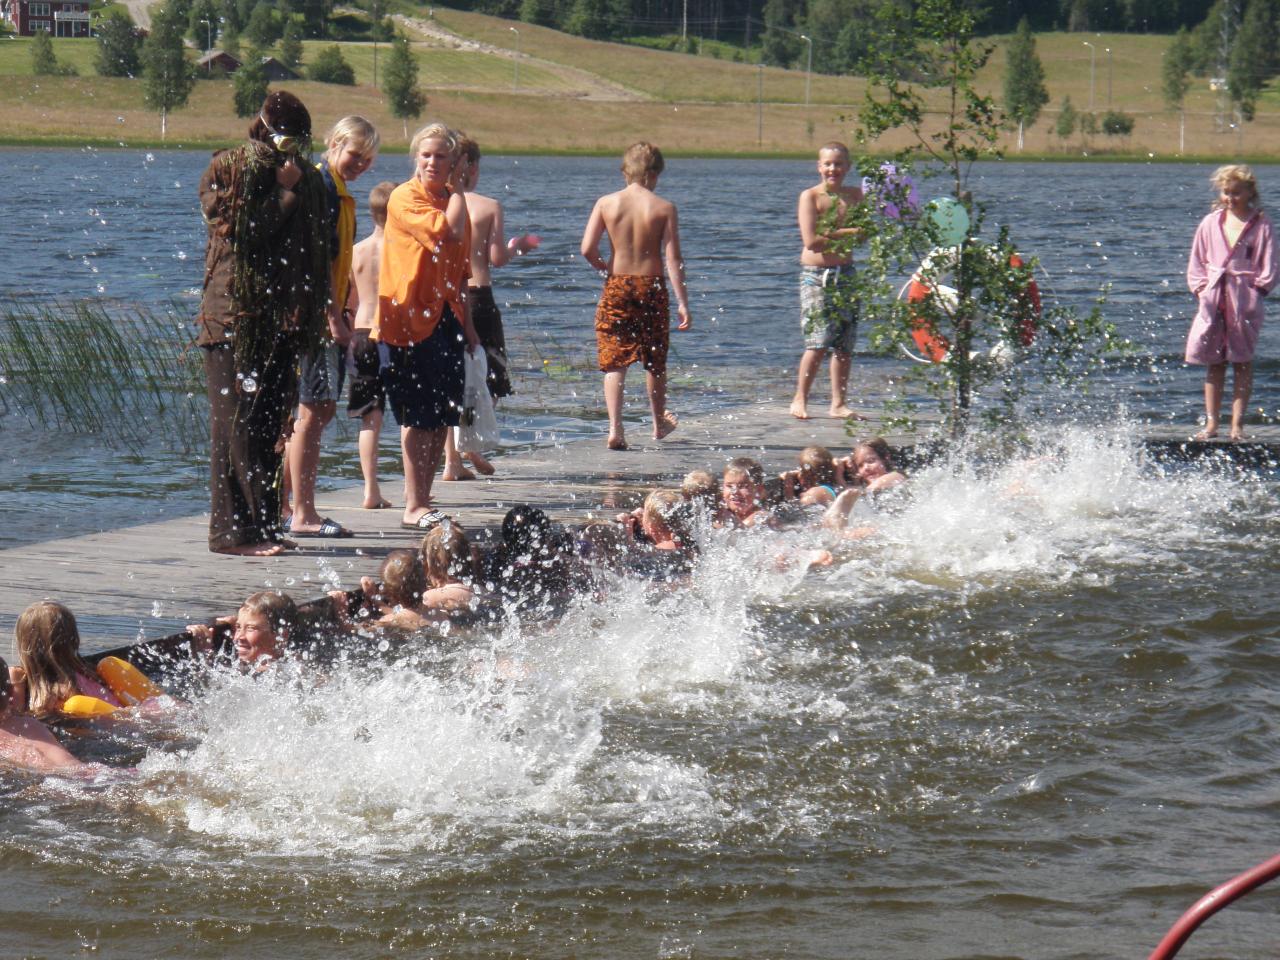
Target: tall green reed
(125,374)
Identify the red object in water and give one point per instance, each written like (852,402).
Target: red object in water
(1211,903)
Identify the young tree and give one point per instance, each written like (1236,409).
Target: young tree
(264,26)
(976,311)
(1117,124)
(1179,59)
(400,83)
(1065,125)
(44,63)
(119,45)
(1253,56)
(168,75)
(1024,90)
(291,45)
(250,84)
(330,67)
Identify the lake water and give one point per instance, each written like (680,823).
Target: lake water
(1036,717)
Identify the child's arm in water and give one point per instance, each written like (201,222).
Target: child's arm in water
(27,742)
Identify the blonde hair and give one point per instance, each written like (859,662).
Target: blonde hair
(435,131)
(835,145)
(817,466)
(403,579)
(48,643)
(279,609)
(750,468)
(446,553)
(658,506)
(1236,173)
(641,160)
(356,131)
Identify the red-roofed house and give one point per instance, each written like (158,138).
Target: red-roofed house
(62,18)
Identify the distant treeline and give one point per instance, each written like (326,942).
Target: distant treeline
(841,29)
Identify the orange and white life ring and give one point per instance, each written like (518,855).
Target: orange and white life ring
(933,346)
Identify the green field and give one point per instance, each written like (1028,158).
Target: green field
(583,95)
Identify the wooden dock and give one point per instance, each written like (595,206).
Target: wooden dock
(147,581)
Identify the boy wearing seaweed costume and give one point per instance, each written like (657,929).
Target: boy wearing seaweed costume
(632,321)
(828,311)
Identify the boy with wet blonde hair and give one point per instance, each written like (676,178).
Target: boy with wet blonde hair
(828,308)
(352,148)
(632,319)
(367,400)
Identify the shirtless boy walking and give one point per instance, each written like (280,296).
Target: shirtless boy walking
(828,309)
(633,321)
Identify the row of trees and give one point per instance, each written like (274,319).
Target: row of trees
(168,76)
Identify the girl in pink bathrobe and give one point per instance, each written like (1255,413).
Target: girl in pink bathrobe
(1232,268)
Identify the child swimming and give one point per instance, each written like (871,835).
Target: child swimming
(25,741)
(814,483)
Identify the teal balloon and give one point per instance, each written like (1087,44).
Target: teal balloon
(950,219)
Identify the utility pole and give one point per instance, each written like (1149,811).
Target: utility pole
(1108,49)
(515,78)
(1092,52)
(759,104)
(808,71)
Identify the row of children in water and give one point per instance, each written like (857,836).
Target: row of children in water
(536,565)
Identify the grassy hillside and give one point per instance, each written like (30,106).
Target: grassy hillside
(574,94)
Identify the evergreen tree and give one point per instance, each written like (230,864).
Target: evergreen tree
(330,67)
(1065,125)
(590,19)
(167,74)
(1024,90)
(779,45)
(119,44)
(400,83)
(43,61)
(1178,61)
(231,42)
(264,27)
(315,17)
(541,12)
(250,84)
(291,45)
(1253,56)
(202,24)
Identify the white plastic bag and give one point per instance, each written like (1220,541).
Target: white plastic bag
(478,426)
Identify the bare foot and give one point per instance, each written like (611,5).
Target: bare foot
(844,412)
(376,502)
(617,443)
(267,549)
(1238,434)
(1208,433)
(457,472)
(666,425)
(799,409)
(482,465)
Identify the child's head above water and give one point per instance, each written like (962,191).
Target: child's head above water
(872,458)
(404,580)
(742,487)
(658,505)
(446,554)
(263,624)
(641,161)
(700,487)
(817,466)
(47,639)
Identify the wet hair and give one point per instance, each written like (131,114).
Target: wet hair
(1236,173)
(435,131)
(699,486)
(283,113)
(279,609)
(880,447)
(817,466)
(601,541)
(446,553)
(525,529)
(48,643)
(404,580)
(658,506)
(748,466)
(378,199)
(355,131)
(641,160)
(835,145)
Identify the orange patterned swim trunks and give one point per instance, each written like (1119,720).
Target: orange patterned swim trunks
(633,323)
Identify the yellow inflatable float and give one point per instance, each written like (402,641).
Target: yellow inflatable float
(130,685)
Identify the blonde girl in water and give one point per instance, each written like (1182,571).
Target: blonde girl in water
(1231,269)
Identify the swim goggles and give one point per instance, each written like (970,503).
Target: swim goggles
(284,142)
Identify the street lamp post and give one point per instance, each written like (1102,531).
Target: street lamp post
(515,77)
(1108,78)
(1092,52)
(208,33)
(808,71)
(759,104)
